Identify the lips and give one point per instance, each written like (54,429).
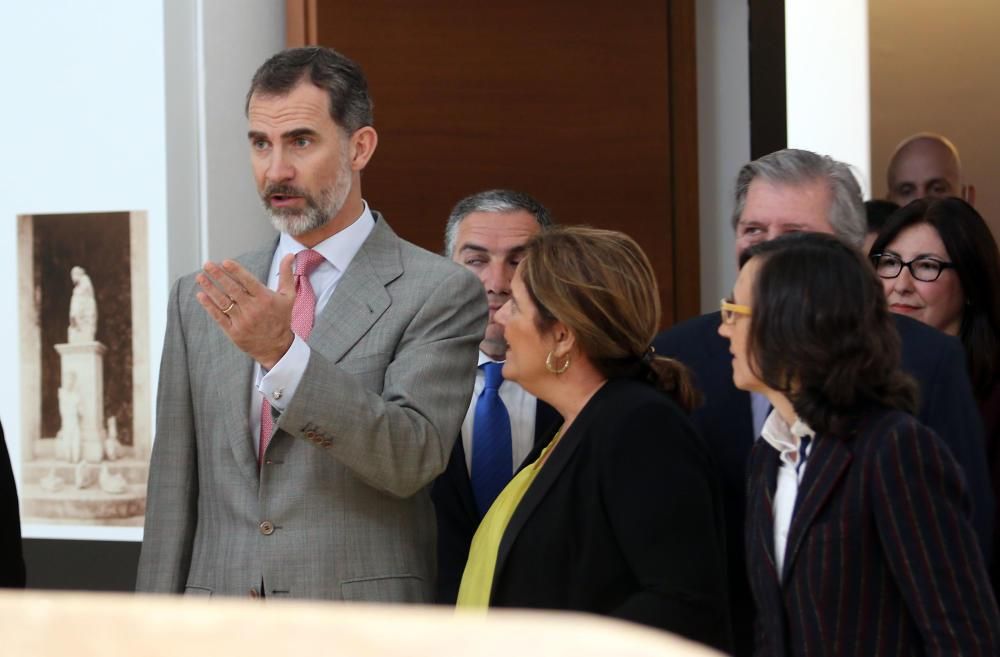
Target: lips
(284,200)
(902,308)
(284,195)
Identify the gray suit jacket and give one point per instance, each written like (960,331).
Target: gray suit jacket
(343,510)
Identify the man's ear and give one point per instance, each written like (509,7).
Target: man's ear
(969,194)
(362,147)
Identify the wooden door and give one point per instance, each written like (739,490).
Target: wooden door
(586,105)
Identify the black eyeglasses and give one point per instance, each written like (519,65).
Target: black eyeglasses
(924,268)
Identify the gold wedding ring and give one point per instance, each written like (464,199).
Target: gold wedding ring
(232,304)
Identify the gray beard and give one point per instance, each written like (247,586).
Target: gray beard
(317,213)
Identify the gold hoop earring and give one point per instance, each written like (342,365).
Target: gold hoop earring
(552,368)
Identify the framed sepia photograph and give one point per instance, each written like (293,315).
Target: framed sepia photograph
(84,351)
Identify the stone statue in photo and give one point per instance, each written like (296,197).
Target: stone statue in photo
(81,475)
(70,444)
(113,448)
(114,484)
(82,308)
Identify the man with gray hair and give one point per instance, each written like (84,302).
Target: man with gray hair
(797,190)
(486,233)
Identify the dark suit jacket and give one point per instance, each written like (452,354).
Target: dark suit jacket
(880,560)
(11,558)
(457,515)
(623,519)
(725,421)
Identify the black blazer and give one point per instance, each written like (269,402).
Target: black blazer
(934,359)
(623,519)
(457,514)
(11,557)
(880,560)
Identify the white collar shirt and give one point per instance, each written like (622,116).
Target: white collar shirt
(787,441)
(280,383)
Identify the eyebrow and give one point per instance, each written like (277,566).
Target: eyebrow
(291,134)
(468,246)
(919,256)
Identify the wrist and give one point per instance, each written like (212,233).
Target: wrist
(272,358)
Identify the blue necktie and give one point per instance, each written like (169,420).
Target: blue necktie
(492,459)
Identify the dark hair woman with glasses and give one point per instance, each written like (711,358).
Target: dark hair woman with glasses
(940,264)
(858,538)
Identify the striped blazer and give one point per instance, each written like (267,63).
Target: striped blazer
(880,559)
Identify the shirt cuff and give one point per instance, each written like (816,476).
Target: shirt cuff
(280,383)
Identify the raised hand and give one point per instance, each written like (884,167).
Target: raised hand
(256,319)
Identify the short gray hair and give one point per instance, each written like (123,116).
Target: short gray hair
(795,167)
(338,75)
(500,201)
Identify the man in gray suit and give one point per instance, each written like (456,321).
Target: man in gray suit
(310,391)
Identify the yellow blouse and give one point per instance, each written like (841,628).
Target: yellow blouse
(477,580)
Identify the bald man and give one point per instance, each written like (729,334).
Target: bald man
(926,164)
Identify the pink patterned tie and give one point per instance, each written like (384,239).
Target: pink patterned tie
(303,315)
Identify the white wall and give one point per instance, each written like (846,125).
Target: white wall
(935,70)
(723,136)
(129,105)
(83,117)
(826,59)
(213,48)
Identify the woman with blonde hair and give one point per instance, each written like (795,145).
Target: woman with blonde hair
(620,513)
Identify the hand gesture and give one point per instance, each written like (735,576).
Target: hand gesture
(256,319)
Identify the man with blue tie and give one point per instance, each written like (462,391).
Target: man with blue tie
(486,233)
(793,191)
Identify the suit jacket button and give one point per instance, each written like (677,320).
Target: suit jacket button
(266,528)
(310,434)
(326,443)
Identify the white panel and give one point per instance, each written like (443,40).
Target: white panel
(826,53)
(83,114)
(723,136)
(238,36)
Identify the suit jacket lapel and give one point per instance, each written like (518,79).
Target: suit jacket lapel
(236,366)
(764,525)
(546,422)
(762,570)
(463,483)
(360,298)
(827,463)
(556,462)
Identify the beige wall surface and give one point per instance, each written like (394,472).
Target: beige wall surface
(935,66)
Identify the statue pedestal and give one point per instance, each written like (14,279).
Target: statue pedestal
(83,362)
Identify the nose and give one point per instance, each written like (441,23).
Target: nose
(502,314)
(279,168)
(497,277)
(903,283)
(724,328)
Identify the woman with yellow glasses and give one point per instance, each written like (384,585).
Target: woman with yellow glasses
(858,537)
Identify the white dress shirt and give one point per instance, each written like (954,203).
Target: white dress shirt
(281,382)
(786,440)
(521,407)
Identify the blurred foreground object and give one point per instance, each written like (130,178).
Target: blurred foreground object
(121,625)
